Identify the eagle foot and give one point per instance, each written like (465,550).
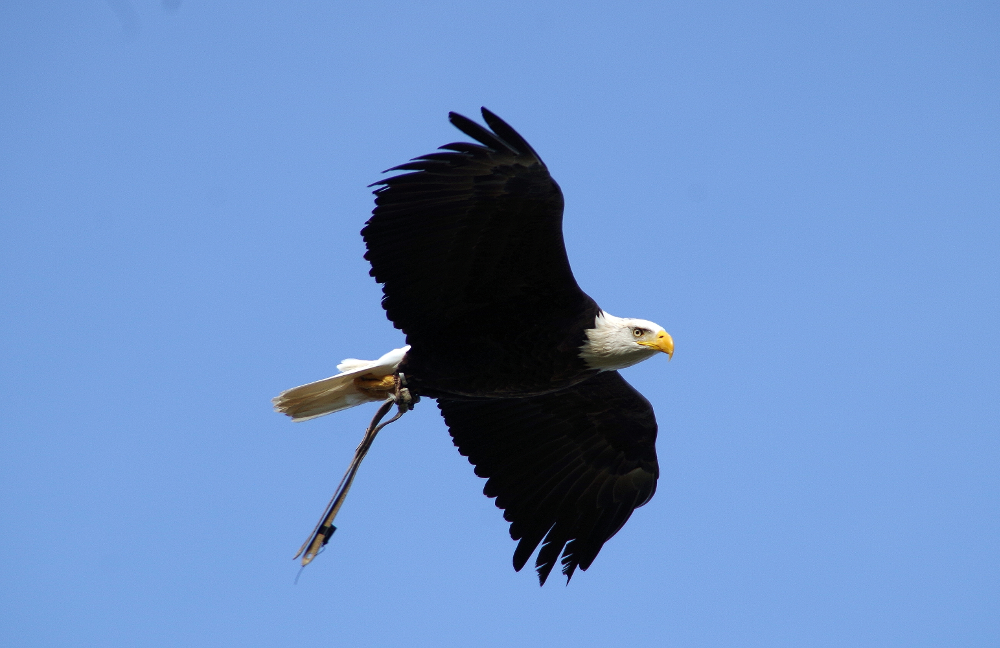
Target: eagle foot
(377,387)
(392,387)
(404,399)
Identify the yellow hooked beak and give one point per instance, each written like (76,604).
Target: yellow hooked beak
(663,342)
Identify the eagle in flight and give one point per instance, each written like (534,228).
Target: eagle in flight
(467,243)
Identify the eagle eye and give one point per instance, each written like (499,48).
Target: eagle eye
(637,332)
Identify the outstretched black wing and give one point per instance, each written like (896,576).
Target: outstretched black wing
(470,248)
(568,467)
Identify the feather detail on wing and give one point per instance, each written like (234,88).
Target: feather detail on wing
(469,247)
(568,468)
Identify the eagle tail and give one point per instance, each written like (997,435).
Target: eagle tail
(338,392)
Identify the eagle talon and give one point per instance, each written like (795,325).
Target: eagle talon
(404,399)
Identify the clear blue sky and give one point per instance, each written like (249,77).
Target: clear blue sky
(804,194)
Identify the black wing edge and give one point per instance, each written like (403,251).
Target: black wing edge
(568,468)
(503,139)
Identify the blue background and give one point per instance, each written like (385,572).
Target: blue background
(804,194)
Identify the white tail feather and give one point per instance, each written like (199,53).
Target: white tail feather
(337,392)
(350,364)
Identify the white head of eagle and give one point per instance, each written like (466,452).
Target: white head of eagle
(618,342)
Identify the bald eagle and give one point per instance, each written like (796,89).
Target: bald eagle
(468,246)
